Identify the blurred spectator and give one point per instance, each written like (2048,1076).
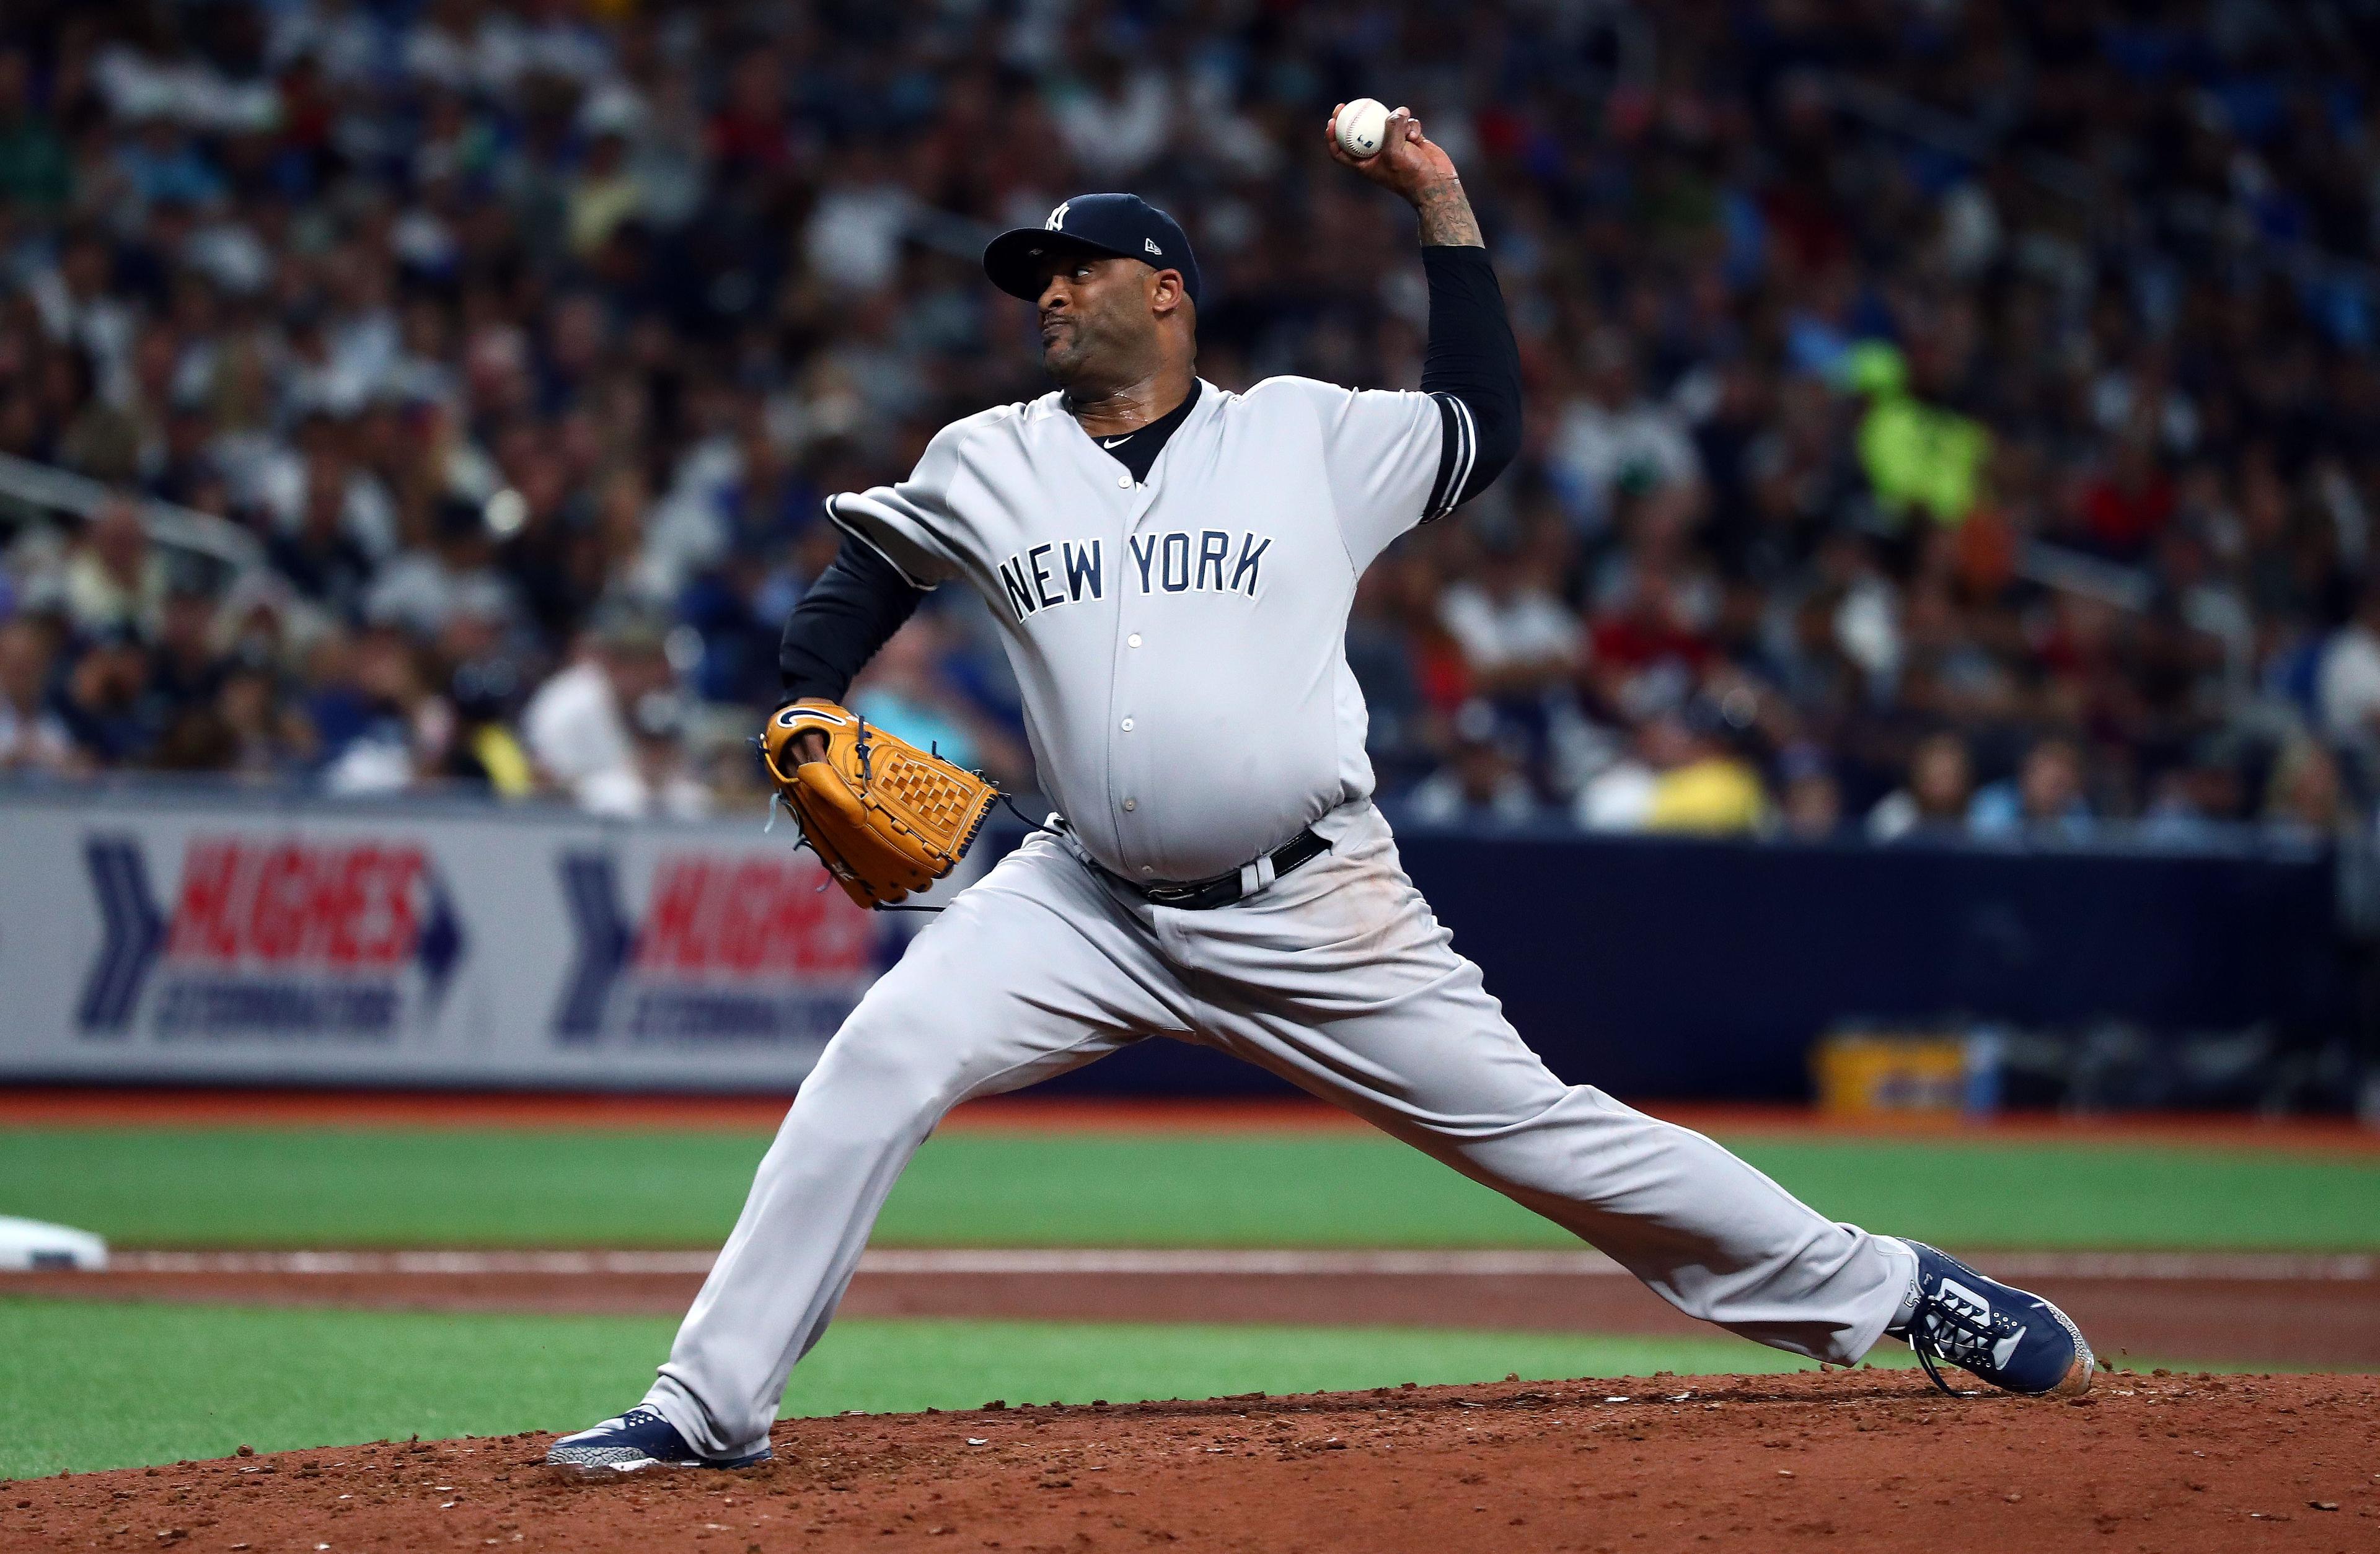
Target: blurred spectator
(903,690)
(660,779)
(115,581)
(1482,782)
(269,739)
(1386,660)
(404,725)
(1516,636)
(1619,797)
(1683,777)
(36,174)
(34,739)
(2348,687)
(185,670)
(1708,790)
(1612,440)
(2196,802)
(482,750)
(1918,457)
(578,726)
(2306,795)
(2044,799)
(1935,799)
(426,589)
(316,553)
(1811,809)
(104,702)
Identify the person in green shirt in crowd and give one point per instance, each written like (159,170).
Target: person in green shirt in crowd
(1918,457)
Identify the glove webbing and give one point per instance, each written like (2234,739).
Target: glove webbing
(912,777)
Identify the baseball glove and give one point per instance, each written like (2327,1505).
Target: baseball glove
(885,817)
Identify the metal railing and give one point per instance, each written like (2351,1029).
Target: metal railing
(48,489)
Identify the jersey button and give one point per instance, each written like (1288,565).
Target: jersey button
(1123,482)
(1127,725)
(1130,805)
(1133,641)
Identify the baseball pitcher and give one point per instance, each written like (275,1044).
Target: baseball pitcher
(1171,566)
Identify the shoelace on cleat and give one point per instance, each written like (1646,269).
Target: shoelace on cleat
(1948,1329)
(1932,1373)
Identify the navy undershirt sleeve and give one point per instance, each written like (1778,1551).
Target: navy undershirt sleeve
(853,609)
(1473,366)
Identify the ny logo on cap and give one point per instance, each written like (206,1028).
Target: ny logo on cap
(1057,222)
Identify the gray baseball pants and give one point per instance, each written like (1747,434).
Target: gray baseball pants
(1340,980)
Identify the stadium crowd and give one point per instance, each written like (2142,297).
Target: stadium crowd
(1943,414)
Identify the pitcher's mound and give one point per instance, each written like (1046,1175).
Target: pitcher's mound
(1868,1461)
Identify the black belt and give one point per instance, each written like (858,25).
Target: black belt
(1203,895)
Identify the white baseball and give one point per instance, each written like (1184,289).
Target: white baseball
(1362,124)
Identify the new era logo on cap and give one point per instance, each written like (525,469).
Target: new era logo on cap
(1116,226)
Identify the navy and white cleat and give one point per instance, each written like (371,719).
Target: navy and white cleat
(637,1439)
(1994,1331)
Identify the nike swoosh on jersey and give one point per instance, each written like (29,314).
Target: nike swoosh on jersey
(1111,441)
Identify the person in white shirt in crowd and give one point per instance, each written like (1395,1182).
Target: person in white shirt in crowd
(1613,437)
(1517,635)
(579,724)
(663,779)
(1116,116)
(2346,686)
(1619,797)
(854,237)
(425,588)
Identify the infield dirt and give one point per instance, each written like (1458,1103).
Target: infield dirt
(1869,1459)
(2259,1311)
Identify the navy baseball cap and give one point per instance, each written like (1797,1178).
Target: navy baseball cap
(1118,226)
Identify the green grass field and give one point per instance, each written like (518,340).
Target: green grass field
(157,1383)
(94,1385)
(397,1188)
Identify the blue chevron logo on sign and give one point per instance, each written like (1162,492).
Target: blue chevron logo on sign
(133,928)
(590,888)
(732,948)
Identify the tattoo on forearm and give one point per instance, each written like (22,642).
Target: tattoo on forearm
(1446,218)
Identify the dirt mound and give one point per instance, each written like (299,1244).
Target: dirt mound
(1869,1459)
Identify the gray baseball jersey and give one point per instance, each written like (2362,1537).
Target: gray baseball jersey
(1179,642)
